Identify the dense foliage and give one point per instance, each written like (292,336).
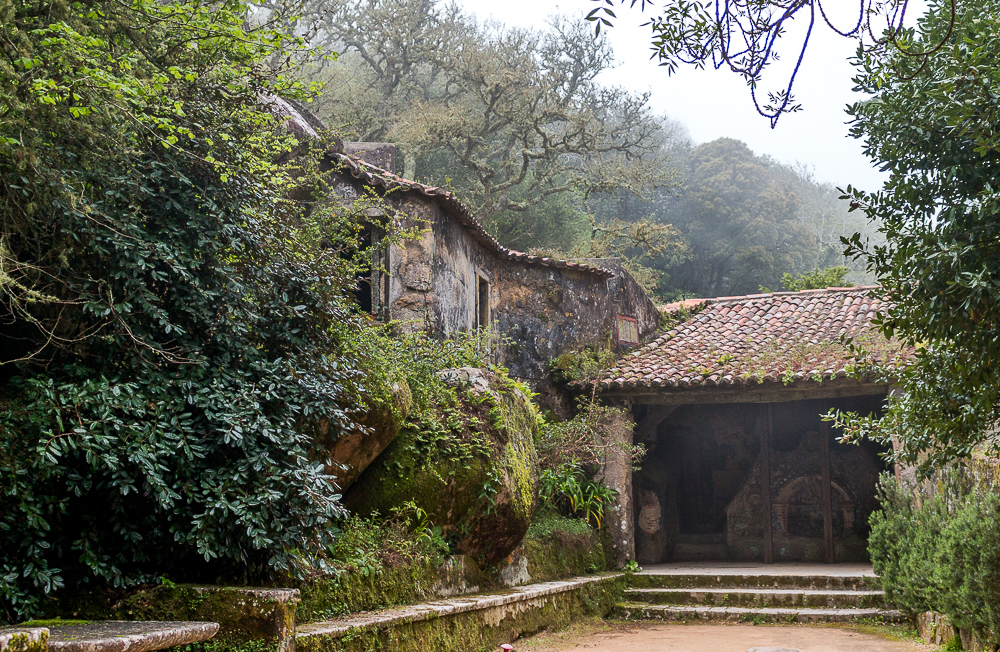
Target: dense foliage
(170,326)
(513,120)
(816,279)
(572,455)
(932,125)
(939,548)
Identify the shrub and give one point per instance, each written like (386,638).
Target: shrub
(568,490)
(937,547)
(586,439)
(174,328)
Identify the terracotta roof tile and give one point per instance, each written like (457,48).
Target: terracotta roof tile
(375,176)
(759,338)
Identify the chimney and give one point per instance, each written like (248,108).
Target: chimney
(381,155)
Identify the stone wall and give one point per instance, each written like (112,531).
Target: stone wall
(443,279)
(475,624)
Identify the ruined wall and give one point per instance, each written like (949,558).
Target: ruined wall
(698,494)
(434,282)
(547,311)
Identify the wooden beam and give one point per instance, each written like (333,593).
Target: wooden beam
(651,421)
(824,451)
(754,393)
(765,485)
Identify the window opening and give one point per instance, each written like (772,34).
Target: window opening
(483,304)
(628,330)
(371,285)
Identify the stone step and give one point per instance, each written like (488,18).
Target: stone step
(696,551)
(636,611)
(768,597)
(719,582)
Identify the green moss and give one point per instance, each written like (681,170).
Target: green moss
(21,642)
(52,622)
(352,592)
(558,548)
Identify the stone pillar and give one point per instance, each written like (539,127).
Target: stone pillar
(618,475)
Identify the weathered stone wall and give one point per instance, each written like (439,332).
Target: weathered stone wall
(532,561)
(698,491)
(477,624)
(548,311)
(434,283)
(263,615)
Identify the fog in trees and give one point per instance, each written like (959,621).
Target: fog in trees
(517,123)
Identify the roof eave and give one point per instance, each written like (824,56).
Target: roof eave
(769,391)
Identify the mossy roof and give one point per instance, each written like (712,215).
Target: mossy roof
(759,338)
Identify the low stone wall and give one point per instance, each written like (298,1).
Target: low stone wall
(471,624)
(244,614)
(104,636)
(531,562)
(935,628)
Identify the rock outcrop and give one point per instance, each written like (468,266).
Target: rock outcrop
(471,466)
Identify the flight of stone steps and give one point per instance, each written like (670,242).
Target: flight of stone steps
(760,597)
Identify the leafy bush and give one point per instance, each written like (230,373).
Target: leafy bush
(568,490)
(817,279)
(174,328)
(938,547)
(584,365)
(586,439)
(373,544)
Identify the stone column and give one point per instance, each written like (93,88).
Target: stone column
(618,475)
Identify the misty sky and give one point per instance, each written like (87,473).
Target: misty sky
(716,103)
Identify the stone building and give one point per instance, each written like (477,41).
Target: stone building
(741,465)
(455,277)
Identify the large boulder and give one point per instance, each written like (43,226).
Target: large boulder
(352,452)
(468,460)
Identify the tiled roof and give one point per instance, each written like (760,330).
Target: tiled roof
(780,337)
(375,176)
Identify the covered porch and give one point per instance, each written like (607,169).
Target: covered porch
(741,465)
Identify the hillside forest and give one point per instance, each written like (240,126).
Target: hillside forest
(523,127)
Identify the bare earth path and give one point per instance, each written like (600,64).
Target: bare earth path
(659,637)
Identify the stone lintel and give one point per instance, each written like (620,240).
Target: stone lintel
(770,392)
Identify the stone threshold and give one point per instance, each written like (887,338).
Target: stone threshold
(635,611)
(384,619)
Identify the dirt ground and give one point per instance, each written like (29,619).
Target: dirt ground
(663,637)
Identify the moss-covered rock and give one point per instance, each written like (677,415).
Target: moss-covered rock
(468,459)
(352,452)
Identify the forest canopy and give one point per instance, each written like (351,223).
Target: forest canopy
(519,124)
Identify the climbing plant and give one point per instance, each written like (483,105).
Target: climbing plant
(171,327)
